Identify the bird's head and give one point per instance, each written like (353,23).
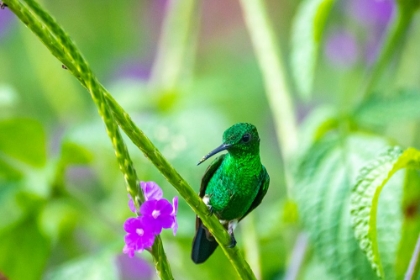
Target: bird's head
(241,138)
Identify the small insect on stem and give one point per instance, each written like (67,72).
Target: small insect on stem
(2,5)
(64,67)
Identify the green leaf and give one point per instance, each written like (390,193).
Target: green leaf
(101,265)
(8,172)
(382,111)
(411,222)
(24,140)
(365,198)
(72,153)
(10,210)
(308,27)
(325,176)
(57,217)
(23,251)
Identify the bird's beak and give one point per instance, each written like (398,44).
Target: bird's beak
(215,151)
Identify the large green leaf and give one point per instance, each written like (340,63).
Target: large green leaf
(72,153)
(368,192)
(325,176)
(101,265)
(24,140)
(380,111)
(308,26)
(10,210)
(23,251)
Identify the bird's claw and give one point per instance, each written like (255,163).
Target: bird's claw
(232,241)
(211,210)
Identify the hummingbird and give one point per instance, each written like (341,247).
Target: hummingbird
(233,185)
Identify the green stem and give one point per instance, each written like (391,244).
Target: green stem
(394,36)
(173,44)
(190,196)
(272,67)
(70,53)
(251,244)
(159,259)
(51,34)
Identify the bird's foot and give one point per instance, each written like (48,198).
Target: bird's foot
(206,200)
(232,241)
(211,210)
(231,226)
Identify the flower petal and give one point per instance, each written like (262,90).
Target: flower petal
(130,224)
(148,207)
(154,224)
(166,221)
(174,206)
(174,226)
(129,250)
(151,190)
(131,205)
(164,206)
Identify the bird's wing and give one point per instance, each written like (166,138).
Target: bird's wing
(204,244)
(209,173)
(263,187)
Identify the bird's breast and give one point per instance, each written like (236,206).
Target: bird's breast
(232,193)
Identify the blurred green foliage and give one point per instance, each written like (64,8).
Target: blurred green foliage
(63,198)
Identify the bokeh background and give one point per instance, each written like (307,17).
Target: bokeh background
(62,197)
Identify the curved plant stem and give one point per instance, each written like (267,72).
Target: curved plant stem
(175,39)
(52,35)
(190,196)
(272,68)
(396,32)
(60,45)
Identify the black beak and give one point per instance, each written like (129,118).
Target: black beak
(215,151)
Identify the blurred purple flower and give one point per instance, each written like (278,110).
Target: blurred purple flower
(139,236)
(155,214)
(134,268)
(160,214)
(133,70)
(341,49)
(371,12)
(6,19)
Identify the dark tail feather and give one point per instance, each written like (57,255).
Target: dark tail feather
(203,244)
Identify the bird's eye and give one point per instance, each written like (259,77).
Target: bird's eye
(246,138)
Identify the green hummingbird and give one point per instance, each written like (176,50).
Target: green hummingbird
(233,185)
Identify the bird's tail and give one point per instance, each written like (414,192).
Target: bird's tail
(203,244)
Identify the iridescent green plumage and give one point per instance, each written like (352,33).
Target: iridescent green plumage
(233,185)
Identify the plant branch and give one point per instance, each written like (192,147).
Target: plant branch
(60,45)
(52,35)
(272,68)
(173,45)
(395,34)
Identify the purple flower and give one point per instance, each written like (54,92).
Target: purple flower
(155,214)
(151,190)
(6,20)
(139,236)
(160,214)
(371,12)
(134,268)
